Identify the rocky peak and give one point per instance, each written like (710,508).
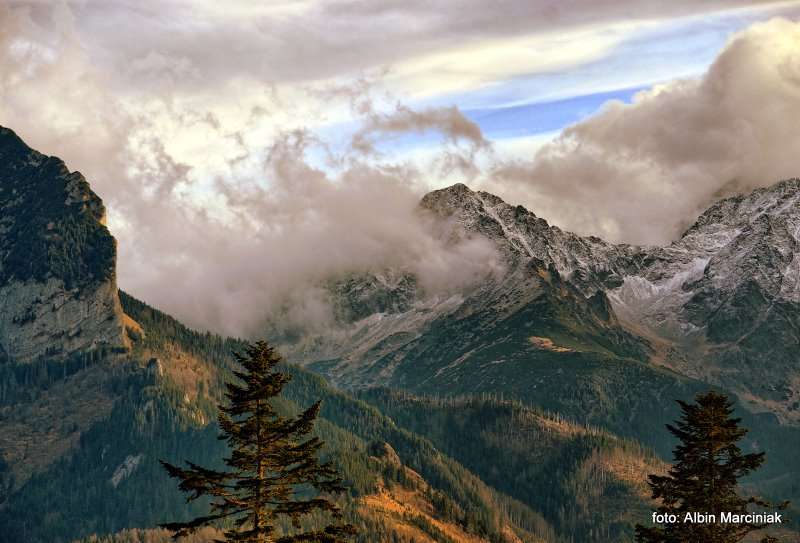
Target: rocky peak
(589,262)
(58,293)
(447,201)
(52,222)
(781,200)
(483,213)
(744,238)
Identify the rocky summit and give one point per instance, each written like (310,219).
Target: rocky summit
(58,292)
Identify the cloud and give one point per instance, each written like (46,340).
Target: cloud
(448,121)
(291,236)
(430,43)
(203,140)
(484,61)
(221,216)
(641,172)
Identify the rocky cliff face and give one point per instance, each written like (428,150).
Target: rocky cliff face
(589,262)
(58,292)
(726,297)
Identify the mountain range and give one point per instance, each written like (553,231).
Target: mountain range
(719,305)
(528,406)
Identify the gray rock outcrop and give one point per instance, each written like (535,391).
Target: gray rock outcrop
(58,291)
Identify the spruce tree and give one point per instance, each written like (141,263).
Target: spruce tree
(704,476)
(273,471)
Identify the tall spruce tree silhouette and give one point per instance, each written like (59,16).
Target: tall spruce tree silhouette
(704,477)
(273,463)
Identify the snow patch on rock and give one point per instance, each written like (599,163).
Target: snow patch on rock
(125,469)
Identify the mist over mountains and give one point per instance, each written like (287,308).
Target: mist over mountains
(718,305)
(706,305)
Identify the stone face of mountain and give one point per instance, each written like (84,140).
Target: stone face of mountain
(531,299)
(725,297)
(589,262)
(386,313)
(360,297)
(58,293)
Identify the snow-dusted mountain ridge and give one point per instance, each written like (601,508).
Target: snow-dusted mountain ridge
(720,304)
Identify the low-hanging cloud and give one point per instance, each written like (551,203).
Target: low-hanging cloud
(304,228)
(641,172)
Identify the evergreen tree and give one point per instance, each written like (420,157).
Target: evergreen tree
(704,476)
(273,468)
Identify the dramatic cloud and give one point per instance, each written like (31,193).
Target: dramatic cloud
(302,229)
(208,142)
(220,215)
(642,172)
(459,44)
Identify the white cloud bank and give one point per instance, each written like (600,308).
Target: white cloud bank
(641,172)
